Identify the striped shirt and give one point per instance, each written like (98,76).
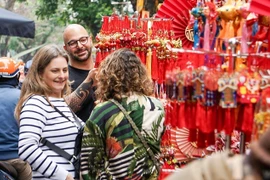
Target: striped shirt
(39,119)
(111,148)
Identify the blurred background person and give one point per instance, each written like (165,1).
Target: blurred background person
(110,148)
(27,66)
(23,72)
(9,129)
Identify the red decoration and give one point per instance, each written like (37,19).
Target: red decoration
(179,11)
(260,6)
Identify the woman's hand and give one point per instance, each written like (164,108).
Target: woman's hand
(92,76)
(69,177)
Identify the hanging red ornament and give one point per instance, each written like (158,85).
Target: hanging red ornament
(98,58)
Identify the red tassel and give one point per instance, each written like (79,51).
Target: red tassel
(210,138)
(220,120)
(248,116)
(161,75)
(181,115)
(174,113)
(240,117)
(142,56)
(210,120)
(154,67)
(201,140)
(230,121)
(98,58)
(199,116)
(192,137)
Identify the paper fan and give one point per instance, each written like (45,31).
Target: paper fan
(178,10)
(260,7)
(177,153)
(187,148)
(181,30)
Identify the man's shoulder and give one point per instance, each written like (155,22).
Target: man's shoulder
(75,69)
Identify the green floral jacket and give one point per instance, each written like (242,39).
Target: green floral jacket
(111,148)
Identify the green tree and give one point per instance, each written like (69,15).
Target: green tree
(12,46)
(85,12)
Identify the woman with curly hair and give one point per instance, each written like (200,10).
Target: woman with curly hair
(111,149)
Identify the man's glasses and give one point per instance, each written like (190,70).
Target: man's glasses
(74,43)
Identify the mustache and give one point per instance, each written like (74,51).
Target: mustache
(81,50)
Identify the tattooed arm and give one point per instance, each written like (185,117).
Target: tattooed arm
(77,97)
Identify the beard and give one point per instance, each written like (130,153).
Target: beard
(75,57)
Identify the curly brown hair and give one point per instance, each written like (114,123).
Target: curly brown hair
(121,74)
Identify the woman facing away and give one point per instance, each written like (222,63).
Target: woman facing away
(110,147)
(42,94)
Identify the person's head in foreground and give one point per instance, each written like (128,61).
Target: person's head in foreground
(224,165)
(259,156)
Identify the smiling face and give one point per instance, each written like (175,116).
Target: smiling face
(83,49)
(55,75)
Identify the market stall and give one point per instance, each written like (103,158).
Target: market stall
(210,64)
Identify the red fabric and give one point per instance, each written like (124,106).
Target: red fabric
(166,137)
(248,116)
(181,115)
(230,120)
(201,139)
(220,120)
(167,114)
(192,137)
(138,54)
(191,122)
(161,68)
(154,65)
(211,118)
(105,54)
(142,56)
(190,115)
(240,117)
(165,171)
(179,60)
(208,121)
(98,59)
(198,116)
(174,112)
(210,139)
(260,6)
(231,63)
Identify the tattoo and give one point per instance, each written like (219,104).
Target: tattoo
(76,99)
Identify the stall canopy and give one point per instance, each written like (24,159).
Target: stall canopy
(12,24)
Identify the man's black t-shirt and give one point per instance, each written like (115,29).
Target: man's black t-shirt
(77,76)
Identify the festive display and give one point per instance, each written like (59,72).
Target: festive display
(210,64)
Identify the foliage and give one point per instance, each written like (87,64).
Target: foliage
(85,12)
(25,48)
(19,55)
(18,46)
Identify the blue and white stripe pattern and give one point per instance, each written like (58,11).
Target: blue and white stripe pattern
(39,119)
